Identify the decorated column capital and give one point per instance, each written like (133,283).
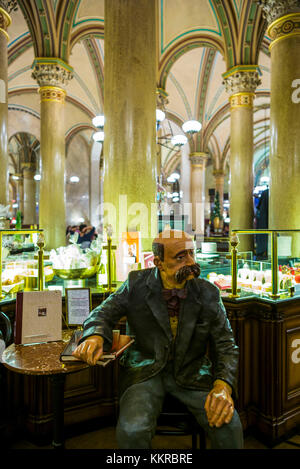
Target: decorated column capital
(161,98)
(198,159)
(275,9)
(51,72)
(240,83)
(5,22)
(219,173)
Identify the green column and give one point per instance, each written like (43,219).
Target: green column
(129,106)
(5,21)
(52,74)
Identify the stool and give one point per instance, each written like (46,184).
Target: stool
(175,414)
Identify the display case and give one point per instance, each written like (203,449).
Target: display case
(25,271)
(274,275)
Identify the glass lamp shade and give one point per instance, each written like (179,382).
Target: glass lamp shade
(74,179)
(175,175)
(98,121)
(37,177)
(98,136)
(179,140)
(160,115)
(191,126)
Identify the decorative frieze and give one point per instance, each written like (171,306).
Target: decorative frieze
(284,27)
(51,72)
(274,9)
(52,94)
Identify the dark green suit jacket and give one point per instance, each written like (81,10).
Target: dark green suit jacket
(202,322)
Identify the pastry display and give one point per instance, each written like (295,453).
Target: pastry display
(15,275)
(257,281)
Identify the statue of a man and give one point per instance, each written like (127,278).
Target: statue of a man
(174,316)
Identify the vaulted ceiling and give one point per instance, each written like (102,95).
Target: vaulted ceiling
(198,41)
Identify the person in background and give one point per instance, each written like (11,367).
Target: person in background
(86,235)
(174,316)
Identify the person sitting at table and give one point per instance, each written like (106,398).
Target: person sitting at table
(174,316)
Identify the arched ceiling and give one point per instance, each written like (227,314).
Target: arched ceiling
(198,41)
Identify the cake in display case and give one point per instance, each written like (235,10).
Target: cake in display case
(276,276)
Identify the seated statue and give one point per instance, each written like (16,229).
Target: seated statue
(174,316)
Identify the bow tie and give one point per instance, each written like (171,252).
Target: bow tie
(175,292)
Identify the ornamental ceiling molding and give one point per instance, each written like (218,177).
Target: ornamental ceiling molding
(182,47)
(274,9)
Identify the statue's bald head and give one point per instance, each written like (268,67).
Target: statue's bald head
(168,239)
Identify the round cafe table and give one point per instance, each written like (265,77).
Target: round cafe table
(43,359)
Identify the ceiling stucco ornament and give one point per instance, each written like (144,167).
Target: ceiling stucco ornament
(242,82)
(274,9)
(9,5)
(52,72)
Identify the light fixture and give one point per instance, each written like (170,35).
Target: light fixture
(74,179)
(16,178)
(37,177)
(175,176)
(80,220)
(98,121)
(191,127)
(171,179)
(15,206)
(179,140)
(98,136)
(160,115)
(175,199)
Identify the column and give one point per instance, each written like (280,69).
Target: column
(5,21)
(52,75)
(29,199)
(130,123)
(241,83)
(198,162)
(284,31)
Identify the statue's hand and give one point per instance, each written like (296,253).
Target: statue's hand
(219,404)
(90,350)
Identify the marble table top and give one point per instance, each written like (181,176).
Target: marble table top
(39,359)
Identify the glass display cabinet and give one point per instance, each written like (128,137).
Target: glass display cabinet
(25,270)
(274,274)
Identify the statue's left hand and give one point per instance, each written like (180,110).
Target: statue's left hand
(219,405)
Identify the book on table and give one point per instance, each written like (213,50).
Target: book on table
(120,343)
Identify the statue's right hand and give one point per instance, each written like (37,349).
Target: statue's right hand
(90,350)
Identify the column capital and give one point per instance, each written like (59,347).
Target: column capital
(51,72)
(242,80)
(199,159)
(5,21)
(161,98)
(274,9)
(219,173)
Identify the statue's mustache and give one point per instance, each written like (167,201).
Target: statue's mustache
(187,270)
